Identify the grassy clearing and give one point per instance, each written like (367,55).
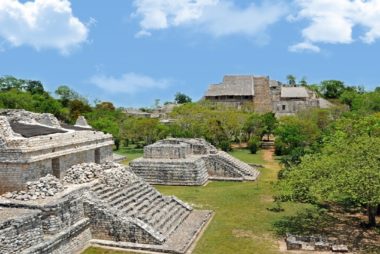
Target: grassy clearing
(246,156)
(242,224)
(131,152)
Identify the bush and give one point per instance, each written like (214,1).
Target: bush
(225,145)
(254,144)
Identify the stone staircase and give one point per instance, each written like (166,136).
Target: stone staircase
(246,171)
(139,201)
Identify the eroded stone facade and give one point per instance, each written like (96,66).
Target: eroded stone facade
(28,158)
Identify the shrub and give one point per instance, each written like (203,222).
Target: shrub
(225,145)
(254,144)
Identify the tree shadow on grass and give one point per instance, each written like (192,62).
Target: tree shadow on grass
(334,224)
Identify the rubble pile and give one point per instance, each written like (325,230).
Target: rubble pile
(117,175)
(83,173)
(46,186)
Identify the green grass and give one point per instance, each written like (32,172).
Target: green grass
(131,152)
(242,224)
(246,156)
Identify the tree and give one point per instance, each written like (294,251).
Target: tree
(34,87)
(181,98)
(294,138)
(291,80)
(105,105)
(332,89)
(303,82)
(344,170)
(67,94)
(269,123)
(254,126)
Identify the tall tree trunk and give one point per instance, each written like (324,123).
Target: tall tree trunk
(372,210)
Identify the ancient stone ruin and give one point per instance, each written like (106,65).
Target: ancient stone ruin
(87,200)
(313,243)
(189,162)
(34,145)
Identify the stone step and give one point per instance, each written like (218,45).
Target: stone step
(122,192)
(153,210)
(154,203)
(124,200)
(176,221)
(106,196)
(132,208)
(96,187)
(147,199)
(160,214)
(104,190)
(167,216)
(120,196)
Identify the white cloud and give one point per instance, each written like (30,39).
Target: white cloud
(129,83)
(333,21)
(304,46)
(217,17)
(41,24)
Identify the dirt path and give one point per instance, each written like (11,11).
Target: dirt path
(268,156)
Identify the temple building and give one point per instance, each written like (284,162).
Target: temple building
(264,94)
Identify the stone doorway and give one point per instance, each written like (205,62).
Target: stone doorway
(55,164)
(97,155)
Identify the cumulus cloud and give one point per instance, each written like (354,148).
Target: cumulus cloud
(333,21)
(41,24)
(217,17)
(129,83)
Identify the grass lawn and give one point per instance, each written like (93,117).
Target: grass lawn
(246,156)
(130,152)
(242,224)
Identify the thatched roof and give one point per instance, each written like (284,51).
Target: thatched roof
(233,86)
(294,92)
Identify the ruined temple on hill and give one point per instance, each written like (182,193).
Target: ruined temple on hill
(61,194)
(189,162)
(264,94)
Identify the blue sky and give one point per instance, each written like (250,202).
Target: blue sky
(133,52)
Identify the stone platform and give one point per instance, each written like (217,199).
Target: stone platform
(190,162)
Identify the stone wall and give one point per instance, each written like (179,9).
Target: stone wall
(262,101)
(20,229)
(167,151)
(13,176)
(108,226)
(54,225)
(190,171)
(220,169)
(291,106)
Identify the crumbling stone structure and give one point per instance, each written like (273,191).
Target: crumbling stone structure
(34,145)
(85,204)
(313,243)
(189,162)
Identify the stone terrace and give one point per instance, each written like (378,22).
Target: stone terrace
(189,162)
